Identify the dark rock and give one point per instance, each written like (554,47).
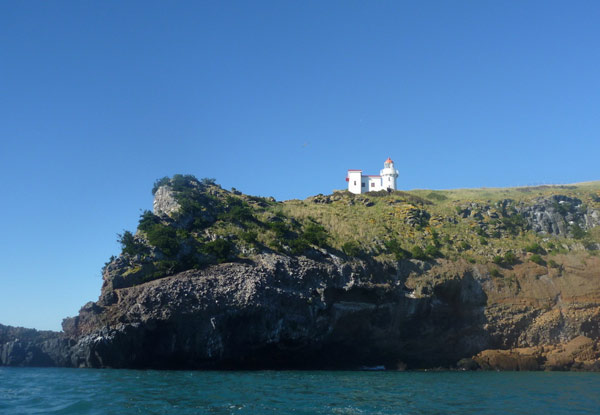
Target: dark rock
(555,215)
(507,360)
(467,364)
(282,312)
(29,347)
(317,311)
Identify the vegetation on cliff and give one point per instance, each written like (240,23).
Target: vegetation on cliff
(208,225)
(196,223)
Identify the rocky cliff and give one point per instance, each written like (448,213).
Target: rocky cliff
(276,311)
(217,279)
(28,347)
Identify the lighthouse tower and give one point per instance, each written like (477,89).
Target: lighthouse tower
(388,175)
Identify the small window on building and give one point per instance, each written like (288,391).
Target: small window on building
(362,185)
(372,184)
(354,182)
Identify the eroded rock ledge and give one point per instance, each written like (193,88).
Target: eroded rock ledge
(579,354)
(318,311)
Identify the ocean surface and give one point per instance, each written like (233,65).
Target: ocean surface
(97,391)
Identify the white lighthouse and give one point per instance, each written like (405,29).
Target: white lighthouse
(360,183)
(388,175)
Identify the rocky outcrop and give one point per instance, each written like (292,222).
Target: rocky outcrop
(320,311)
(284,312)
(165,203)
(556,215)
(29,347)
(581,353)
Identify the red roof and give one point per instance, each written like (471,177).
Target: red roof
(389,160)
(354,170)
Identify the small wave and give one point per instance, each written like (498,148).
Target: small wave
(127,392)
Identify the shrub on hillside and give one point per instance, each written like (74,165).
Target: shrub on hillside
(510,258)
(578,232)
(178,183)
(514,223)
(163,181)
(393,247)
(250,237)
(351,249)
(280,229)
(562,208)
(418,253)
(463,246)
(432,251)
(199,206)
(162,268)
(160,235)
(237,211)
(183,182)
(315,234)
(537,259)
(298,246)
(220,249)
(208,181)
(535,248)
(147,220)
(129,245)
(164,238)
(435,239)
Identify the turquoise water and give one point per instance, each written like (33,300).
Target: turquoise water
(88,391)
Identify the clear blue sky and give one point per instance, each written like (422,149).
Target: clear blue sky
(99,99)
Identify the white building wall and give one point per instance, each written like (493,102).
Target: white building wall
(355,180)
(374,183)
(388,182)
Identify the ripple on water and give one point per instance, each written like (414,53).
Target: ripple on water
(85,391)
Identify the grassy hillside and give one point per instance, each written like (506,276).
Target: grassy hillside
(488,226)
(468,223)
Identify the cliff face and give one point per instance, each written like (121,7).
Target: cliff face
(28,347)
(215,279)
(282,312)
(323,312)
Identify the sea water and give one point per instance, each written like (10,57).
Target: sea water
(104,391)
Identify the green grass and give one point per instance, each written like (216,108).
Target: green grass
(423,224)
(347,218)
